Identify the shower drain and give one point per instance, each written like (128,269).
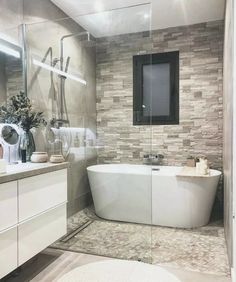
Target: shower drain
(74,232)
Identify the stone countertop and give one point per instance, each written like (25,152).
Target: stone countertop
(23,170)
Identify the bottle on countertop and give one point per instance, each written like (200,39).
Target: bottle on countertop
(77,140)
(23,147)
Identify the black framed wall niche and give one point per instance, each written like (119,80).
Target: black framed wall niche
(156,89)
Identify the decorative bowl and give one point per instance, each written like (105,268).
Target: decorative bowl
(57,159)
(39,157)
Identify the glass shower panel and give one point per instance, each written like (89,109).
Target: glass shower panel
(81,77)
(120,184)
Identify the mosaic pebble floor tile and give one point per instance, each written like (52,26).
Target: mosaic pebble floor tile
(201,249)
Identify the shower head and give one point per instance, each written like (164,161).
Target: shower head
(89,43)
(86,38)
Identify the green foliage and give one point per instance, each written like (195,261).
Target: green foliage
(19,110)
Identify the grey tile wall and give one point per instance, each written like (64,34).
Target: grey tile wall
(200,128)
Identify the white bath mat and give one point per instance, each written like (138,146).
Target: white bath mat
(118,271)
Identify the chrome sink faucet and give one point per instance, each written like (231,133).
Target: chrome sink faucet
(152,159)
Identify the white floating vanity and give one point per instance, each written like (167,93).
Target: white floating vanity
(33,200)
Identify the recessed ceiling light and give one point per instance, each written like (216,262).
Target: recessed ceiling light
(146,16)
(99,7)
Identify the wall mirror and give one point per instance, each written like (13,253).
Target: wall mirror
(11,65)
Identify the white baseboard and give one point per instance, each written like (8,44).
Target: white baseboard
(233,274)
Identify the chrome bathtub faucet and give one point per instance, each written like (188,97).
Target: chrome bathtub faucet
(152,159)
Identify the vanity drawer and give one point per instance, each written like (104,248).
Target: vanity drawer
(38,233)
(8,251)
(42,192)
(8,205)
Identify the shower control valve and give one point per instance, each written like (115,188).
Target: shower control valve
(152,159)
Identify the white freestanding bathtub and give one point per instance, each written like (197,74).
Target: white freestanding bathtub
(152,195)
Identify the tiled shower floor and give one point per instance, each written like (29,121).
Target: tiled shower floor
(201,249)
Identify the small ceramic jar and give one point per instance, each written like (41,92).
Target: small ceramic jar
(57,159)
(39,157)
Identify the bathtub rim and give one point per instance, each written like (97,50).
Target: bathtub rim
(149,171)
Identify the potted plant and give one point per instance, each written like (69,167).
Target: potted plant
(19,110)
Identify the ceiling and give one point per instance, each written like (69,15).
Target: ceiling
(112,17)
